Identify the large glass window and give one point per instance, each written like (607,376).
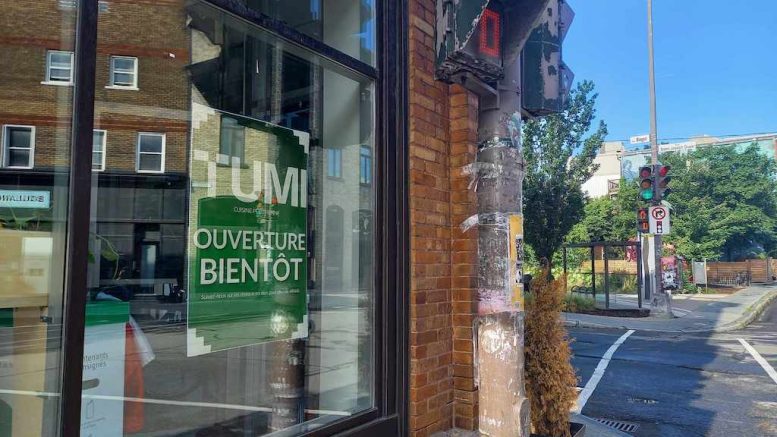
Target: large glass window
(35,135)
(231,286)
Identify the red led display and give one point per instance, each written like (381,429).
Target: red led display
(490,33)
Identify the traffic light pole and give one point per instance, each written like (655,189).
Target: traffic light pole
(659,294)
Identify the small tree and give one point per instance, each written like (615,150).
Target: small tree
(559,159)
(550,378)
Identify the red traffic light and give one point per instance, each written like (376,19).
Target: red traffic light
(664,170)
(645,172)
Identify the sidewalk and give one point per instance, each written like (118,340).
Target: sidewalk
(693,313)
(592,429)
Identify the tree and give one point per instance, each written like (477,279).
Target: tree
(559,154)
(724,202)
(608,218)
(724,205)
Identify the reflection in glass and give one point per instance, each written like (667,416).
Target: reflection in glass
(36,49)
(195,323)
(347,25)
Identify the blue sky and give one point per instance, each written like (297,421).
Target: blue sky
(715,60)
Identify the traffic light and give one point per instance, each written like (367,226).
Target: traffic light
(545,79)
(662,184)
(646,184)
(643,222)
(479,39)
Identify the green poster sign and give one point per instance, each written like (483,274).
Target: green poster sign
(248,240)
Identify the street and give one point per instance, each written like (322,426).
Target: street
(671,384)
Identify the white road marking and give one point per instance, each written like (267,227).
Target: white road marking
(170,402)
(590,386)
(765,364)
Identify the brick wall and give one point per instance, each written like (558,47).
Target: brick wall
(443,126)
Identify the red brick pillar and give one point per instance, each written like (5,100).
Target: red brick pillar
(431,349)
(464,122)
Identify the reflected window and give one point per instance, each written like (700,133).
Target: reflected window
(98,149)
(334,167)
(124,72)
(18,146)
(232,146)
(59,67)
(151,152)
(365,165)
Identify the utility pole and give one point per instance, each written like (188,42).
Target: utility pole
(479,43)
(661,297)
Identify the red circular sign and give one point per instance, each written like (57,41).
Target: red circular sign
(658,213)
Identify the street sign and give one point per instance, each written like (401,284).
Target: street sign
(659,220)
(639,139)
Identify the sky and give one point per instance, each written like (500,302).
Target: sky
(715,63)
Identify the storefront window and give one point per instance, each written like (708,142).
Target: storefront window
(36,49)
(231,291)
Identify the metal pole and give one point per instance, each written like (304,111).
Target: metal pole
(593,273)
(639,275)
(606,278)
(565,269)
(666,297)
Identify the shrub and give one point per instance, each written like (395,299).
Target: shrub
(550,378)
(575,303)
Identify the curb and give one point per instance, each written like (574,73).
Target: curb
(750,314)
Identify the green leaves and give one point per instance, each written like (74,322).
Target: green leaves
(559,154)
(724,203)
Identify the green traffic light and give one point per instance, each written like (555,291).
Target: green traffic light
(646,194)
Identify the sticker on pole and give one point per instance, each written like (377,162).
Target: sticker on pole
(659,220)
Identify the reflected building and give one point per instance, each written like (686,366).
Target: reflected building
(176,85)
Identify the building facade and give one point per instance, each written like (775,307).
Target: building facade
(605,180)
(233,218)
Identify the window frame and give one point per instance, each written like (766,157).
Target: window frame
(389,417)
(102,152)
(48,79)
(112,71)
(162,153)
(7,147)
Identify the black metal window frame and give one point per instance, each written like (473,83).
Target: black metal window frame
(389,416)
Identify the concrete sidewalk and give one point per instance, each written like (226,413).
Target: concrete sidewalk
(592,429)
(693,313)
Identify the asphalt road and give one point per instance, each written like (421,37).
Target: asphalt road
(683,384)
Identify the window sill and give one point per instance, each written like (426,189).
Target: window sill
(150,171)
(47,82)
(123,88)
(16,167)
